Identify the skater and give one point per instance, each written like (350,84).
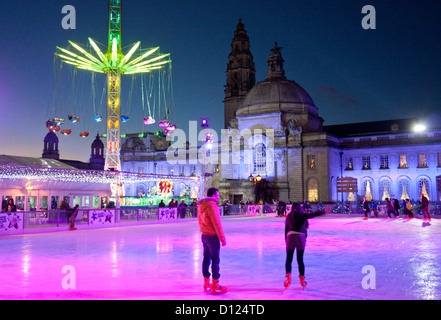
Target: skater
(281,208)
(11,206)
(403,206)
(425,207)
(365,208)
(408,209)
(396,207)
(296,226)
(182,208)
(212,236)
(307,207)
(73,216)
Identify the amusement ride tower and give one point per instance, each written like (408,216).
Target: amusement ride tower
(114,63)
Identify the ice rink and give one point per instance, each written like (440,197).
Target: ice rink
(163,261)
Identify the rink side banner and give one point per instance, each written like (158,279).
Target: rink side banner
(261,209)
(11,223)
(167,213)
(101,218)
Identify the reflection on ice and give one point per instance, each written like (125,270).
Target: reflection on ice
(151,261)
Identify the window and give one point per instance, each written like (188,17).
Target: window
(403,161)
(350,164)
(259,157)
(439,159)
(385,189)
(311,161)
(366,163)
(404,186)
(312,190)
(422,163)
(96,201)
(384,162)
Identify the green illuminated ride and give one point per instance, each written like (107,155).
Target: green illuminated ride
(114,63)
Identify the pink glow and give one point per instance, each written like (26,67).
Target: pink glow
(151,261)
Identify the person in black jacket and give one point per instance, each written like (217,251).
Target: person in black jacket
(396,207)
(296,226)
(425,207)
(366,208)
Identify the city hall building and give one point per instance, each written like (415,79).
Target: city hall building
(283,150)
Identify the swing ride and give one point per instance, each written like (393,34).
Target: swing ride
(114,63)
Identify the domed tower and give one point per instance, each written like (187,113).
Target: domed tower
(278,97)
(241,73)
(97,154)
(50,150)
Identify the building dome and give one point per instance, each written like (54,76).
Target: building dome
(277,94)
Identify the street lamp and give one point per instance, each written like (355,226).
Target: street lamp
(419,127)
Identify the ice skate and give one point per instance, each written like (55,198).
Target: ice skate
(216,288)
(287,281)
(303,282)
(72,228)
(207,285)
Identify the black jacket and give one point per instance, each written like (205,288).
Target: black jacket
(298,222)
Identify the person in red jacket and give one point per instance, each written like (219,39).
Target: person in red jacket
(212,236)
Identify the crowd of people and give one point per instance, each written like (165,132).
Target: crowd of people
(182,207)
(394,208)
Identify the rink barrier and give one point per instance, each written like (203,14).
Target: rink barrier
(23,222)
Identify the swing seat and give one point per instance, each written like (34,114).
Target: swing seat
(84,134)
(73,118)
(58,121)
(164,123)
(124,118)
(171,127)
(97,118)
(159,133)
(66,132)
(149,120)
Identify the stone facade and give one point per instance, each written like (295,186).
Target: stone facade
(275,145)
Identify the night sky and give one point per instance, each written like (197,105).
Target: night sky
(352,74)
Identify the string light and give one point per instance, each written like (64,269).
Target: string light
(78,175)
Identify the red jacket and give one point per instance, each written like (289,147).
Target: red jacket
(209,218)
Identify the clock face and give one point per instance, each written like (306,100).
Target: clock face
(160,143)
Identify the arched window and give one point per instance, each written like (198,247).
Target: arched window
(385,189)
(367,186)
(403,186)
(259,157)
(312,187)
(423,187)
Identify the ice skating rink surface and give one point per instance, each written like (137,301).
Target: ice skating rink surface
(346,258)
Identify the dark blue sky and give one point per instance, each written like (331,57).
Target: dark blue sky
(352,74)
